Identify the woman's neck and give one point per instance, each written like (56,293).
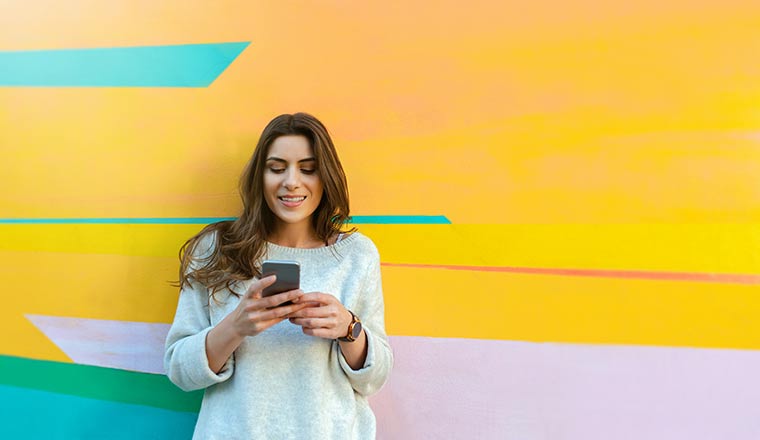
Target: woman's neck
(295,236)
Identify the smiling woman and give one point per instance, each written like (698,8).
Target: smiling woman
(297,364)
(289,148)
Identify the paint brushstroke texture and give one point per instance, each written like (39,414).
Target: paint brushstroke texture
(132,346)
(68,416)
(92,382)
(186,65)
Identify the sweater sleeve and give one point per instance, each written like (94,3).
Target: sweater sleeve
(370,308)
(185,359)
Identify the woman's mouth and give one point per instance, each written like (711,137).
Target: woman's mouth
(292,201)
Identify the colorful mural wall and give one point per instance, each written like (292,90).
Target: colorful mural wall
(565,197)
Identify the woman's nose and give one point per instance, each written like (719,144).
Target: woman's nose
(292,179)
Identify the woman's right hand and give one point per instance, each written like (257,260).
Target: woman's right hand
(254,314)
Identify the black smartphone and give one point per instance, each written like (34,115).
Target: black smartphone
(288,274)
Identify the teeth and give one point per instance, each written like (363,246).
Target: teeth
(292,199)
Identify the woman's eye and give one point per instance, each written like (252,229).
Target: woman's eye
(307,171)
(277,170)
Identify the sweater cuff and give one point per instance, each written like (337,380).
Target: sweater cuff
(363,374)
(198,369)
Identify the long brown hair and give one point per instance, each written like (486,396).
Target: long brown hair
(238,245)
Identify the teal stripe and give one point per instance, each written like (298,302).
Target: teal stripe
(187,65)
(97,383)
(34,414)
(400,220)
(357,219)
(116,221)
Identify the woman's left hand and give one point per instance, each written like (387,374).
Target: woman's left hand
(325,317)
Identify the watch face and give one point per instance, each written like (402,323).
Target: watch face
(357,330)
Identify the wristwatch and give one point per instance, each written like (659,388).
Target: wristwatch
(354,329)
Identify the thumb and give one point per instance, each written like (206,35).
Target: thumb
(257,287)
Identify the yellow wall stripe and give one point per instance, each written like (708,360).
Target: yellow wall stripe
(421,302)
(710,248)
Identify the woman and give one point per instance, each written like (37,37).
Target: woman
(270,370)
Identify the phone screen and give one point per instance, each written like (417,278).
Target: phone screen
(288,276)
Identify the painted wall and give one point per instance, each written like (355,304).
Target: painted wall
(564,194)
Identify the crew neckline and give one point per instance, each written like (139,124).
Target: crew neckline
(345,241)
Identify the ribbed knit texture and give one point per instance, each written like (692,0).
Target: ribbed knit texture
(282,384)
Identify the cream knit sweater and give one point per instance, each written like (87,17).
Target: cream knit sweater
(282,384)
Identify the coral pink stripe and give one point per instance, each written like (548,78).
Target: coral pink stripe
(729,278)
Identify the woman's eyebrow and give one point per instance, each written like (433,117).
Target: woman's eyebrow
(277,159)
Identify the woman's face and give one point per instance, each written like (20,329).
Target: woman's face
(292,187)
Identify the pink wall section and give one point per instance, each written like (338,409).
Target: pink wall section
(470,388)
(460,388)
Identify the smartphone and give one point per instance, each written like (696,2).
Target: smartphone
(288,277)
